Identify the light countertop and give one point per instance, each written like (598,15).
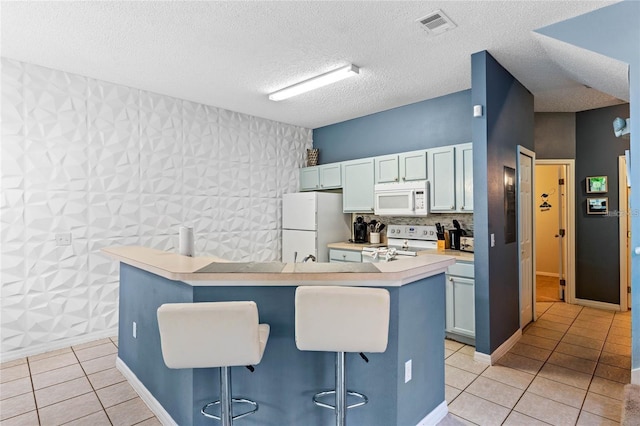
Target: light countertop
(459,255)
(182,268)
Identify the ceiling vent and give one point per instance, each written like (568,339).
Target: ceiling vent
(436,23)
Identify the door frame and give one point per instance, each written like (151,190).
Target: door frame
(528,153)
(623,236)
(570,215)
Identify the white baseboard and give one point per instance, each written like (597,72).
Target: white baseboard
(153,404)
(480,357)
(635,376)
(548,274)
(434,417)
(58,344)
(502,349)
(597,305)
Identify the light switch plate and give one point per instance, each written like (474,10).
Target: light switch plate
(407,371)
(63,239)
(493,240)
(135,330)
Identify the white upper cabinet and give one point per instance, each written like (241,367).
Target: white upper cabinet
(413,165)
(326,176)
(357,188)
(403,167)
(464,178)
(386,168)
(309,178)
(442,179)
(451,178)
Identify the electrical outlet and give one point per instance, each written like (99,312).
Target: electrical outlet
(407,371)
(135,330)
(493,240)
(63,239)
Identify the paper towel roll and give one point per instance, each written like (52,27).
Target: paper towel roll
(186,243)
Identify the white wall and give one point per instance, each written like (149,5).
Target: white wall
(119,166)
(547,222)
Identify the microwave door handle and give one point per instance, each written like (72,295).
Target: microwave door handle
(412,196)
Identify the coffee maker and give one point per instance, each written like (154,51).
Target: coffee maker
(359,230)
(455,234)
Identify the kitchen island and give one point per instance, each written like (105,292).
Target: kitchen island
(285,380)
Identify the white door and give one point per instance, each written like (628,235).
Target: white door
(299,211)
(562,221)
(296,245)
(525,235)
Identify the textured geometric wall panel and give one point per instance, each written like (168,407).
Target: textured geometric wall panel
(112,165)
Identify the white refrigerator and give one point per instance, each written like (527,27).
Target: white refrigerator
(310,221)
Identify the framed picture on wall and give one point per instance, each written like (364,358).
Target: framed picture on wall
(597,205)
(596,184)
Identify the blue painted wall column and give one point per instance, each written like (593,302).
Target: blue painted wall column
(507,122)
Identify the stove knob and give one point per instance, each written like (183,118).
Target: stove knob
(425,232)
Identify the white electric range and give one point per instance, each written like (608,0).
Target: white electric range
(407,240)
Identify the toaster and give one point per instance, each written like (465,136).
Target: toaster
(466,244)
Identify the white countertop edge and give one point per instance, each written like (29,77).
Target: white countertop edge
(392,274)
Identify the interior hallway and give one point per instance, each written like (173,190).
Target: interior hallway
(569,368)
(547,289)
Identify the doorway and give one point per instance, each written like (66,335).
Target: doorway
(625,234)
(554,237)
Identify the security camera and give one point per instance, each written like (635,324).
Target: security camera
(621,126)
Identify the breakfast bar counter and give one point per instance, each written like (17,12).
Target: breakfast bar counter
(284,382)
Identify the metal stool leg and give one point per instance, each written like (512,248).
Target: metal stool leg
(226,401)
(226,413)
(341,390)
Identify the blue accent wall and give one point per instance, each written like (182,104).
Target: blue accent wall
(614,31)
(597,237)
(508,121)
(427,124)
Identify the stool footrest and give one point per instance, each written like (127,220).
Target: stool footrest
(319,403)
(236,400)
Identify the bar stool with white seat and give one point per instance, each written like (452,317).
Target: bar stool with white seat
(341,319)
(214,334)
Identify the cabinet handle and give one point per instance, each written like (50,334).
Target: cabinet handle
(322,186)
(453,207)
(450,279)
(462,208)
(404,178)
(344,256)
(395,179)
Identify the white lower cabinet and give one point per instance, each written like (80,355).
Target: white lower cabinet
(460,300)
(336,255)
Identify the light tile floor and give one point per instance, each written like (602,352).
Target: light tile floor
(569,368)
(73,386)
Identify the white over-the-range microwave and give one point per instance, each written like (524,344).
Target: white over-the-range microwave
(402,199)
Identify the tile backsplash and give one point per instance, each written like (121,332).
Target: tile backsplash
(445,219)
(114,165)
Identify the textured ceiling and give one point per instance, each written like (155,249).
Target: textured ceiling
(232,54)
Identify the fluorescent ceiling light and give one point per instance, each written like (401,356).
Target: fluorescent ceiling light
(315,82)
